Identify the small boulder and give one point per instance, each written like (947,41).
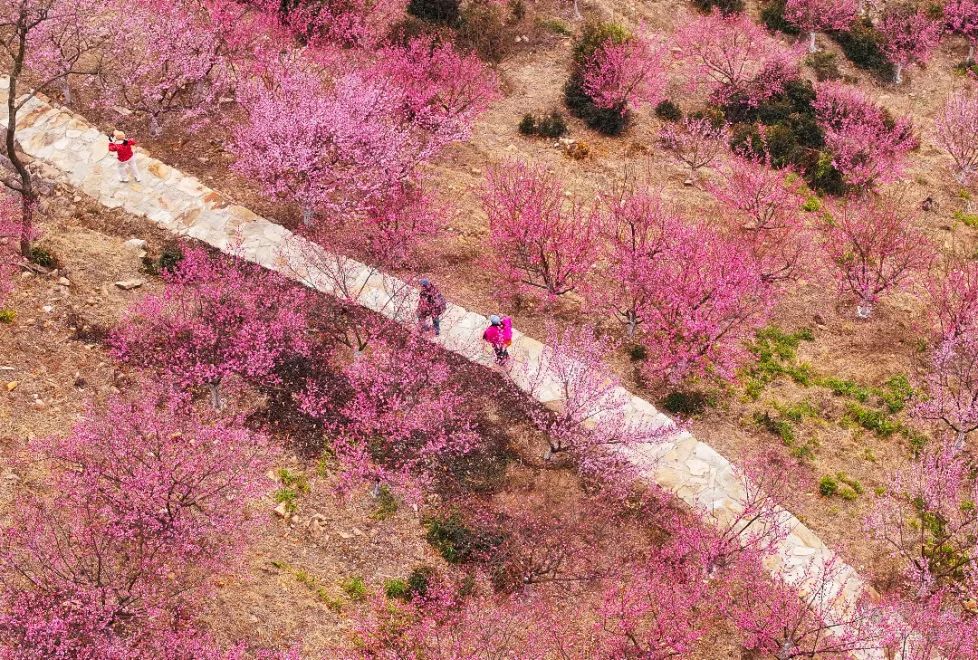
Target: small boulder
(128,285)
(135,244)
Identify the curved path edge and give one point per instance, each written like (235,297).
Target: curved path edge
(70,149)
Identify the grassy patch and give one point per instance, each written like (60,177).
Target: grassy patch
(556,26)
(293,484)
(386,505)
(840,484)
(776,355)
(969,219)
(876,421)
(7,316)
(308,581)
(354,587)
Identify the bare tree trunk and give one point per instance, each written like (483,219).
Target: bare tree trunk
(155,126)
(215,390)
(26,188)
(898,74)
(812,46)
(864,309)
(66,91)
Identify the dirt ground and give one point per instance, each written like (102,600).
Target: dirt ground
(53,354)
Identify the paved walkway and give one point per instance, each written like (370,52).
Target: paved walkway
(76,152)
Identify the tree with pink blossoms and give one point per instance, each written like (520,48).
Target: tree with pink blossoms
(766,210)
(813,16)
(954,301)
(539,242)
(961,17)
(144,506)
(956,130)
(215,318)
(952,387)
(624,76)
(695,142)
(909,35)
(634,226)
(657,610)
(392,416)
(876,249)
(820,621)
(707,299)
(931,627)
(30,34)
(868,145)
(354,24)
(927,519)
(733,57)
(591,416)
(170,62)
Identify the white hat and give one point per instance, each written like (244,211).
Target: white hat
(118,135)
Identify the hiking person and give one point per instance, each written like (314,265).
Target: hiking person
(431,304)
(499,334)
(121,147)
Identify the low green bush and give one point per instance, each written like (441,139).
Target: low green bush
(824,64)
(7,316)
(862,44)
(723,6)
(354,587)
(668,111)
(772,16)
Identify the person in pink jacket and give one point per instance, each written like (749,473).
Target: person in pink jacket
(499,334)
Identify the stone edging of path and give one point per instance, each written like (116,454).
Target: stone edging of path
(75,152)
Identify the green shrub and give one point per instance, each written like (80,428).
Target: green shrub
(354,587)
(863,46)
(846,388)
(552,125)
(610,121)
(668,111)
(828,486)
(292,485)
(419,579)
(824,65)
(772,15)
(594,36)
(969,219)
(556,26)
(397,588)
(777,355)
(454,540)
(528,125)
(42,256)
(441,12)
(896,392)
(812,204)
(779,427)
(686,403)
(724,6)
(872,420)
(7,316)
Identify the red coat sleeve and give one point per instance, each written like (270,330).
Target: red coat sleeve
(113,147)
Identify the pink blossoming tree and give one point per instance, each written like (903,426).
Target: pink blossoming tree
(354,24)
(952,387)
(909,36)
(539,241)
(708,298)
(875,248)
(214,319)
(392,416)
(695,142)
(766,210)
(733,57)
(928,521)
(868,146)
(961,17)
(956,130)
(954,300)
(624,76)
(813,16)
(145,505)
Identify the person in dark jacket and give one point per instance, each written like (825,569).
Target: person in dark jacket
(431,305)
(122,148)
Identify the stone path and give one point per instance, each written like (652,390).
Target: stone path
(70,148)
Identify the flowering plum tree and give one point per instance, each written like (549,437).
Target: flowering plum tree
(931,627)
(172,61)
(696,142)
(909,35)
(360,24)
(961,17)
(708,296)
(957,133)
(734,57)
(928,520)
(215,318)
(952,387)
(868,146)
(591,414)
(634,227)
(392,416)
(145,506)
(954,300)
(812,16)
(766,206)
(31,32)
(875,249)
(622,76)
(538,242)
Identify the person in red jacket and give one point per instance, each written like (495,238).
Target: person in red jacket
(121,147)
(499,334)
(431,304)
